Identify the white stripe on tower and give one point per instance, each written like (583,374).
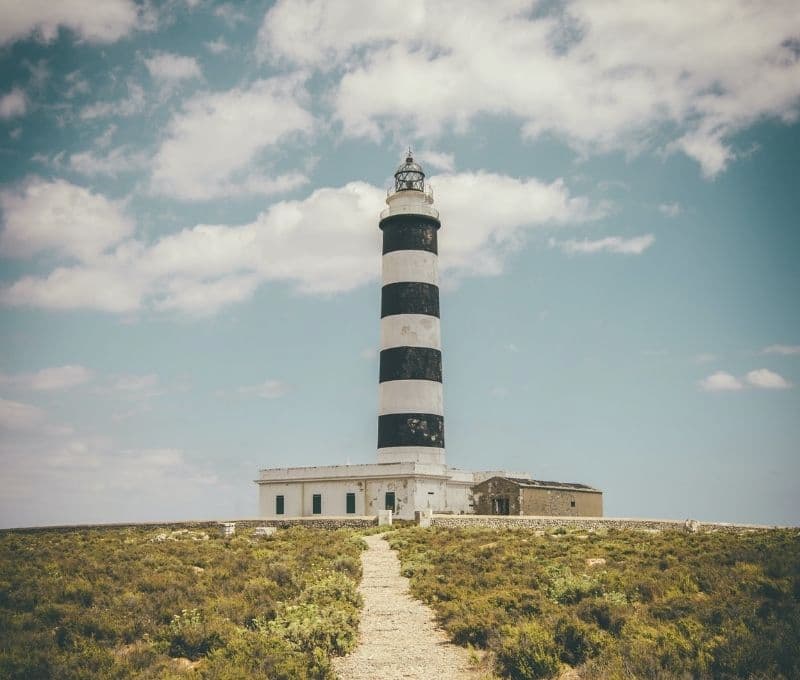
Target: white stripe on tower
(410,330)
(410,396)
(411,414)
(410,265)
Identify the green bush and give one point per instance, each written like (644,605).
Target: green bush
(122,603)
(191,636)
(526,651)
(664,605)
(577,641)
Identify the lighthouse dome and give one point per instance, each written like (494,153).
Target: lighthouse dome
(409,176)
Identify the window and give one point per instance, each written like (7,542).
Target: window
(572,504)
(278,505)
(389,505)
(351,504)
(316,504)
(500,505)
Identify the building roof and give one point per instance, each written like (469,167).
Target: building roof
(539,483)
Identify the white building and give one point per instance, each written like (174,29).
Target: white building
(411,472)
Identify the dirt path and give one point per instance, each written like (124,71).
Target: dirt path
(398,637)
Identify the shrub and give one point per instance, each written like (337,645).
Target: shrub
(526,651)
(706,605)
(568,588)
(192,637)
(578,641)
(608,616)
(309,627)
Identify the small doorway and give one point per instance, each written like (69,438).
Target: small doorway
(351,504)
(316,504)
(500,505)
(389,505)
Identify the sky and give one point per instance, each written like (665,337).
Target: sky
(190,252)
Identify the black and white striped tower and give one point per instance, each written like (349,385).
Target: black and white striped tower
(411,415)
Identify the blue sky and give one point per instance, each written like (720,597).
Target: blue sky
(189,251)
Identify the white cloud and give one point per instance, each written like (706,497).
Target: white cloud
(707,149)
(17,416)
(90,479)
(49,379)
(228,13)
(761,378)
(436,159)
(269,389)
(40,73)
(134,103)
(211,146)
(483,231)
(56,216)
(172,68)
(204,297)
(101,287)
(113,163)
(306,244)
(76,84)
(602,74)
(720,382)
(104,140)
(217,46)
(13,104)
(786,350)
(610,244)
(102,22)
(670,209)
(766,379)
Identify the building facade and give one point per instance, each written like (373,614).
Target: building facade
(522,496)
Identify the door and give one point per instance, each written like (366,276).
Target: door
(316,504)
(389,505)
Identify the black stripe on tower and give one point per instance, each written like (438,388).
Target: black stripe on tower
(410,429)
(411,363)
(410,232)
(410,297)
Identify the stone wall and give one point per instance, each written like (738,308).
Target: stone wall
(321,522)
(562,502)
(311,522)
(585,523)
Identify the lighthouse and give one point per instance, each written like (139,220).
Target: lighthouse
(411,475)
(410,403)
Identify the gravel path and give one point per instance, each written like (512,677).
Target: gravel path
(398,637)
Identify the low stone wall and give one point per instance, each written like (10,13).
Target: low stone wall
(585,523)
(321,522)
(214,525)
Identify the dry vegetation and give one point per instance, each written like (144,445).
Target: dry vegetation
(119,603)
(618,605)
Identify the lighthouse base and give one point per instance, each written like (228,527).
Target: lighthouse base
(428,455)
(341,490)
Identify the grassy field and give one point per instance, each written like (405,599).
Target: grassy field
(150,602)
(153,603)
(615,605)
